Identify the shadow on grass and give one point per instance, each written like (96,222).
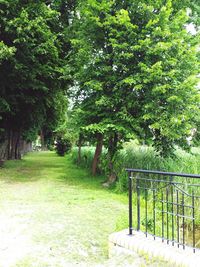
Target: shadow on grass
(47,165)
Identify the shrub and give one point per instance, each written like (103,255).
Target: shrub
(63,146)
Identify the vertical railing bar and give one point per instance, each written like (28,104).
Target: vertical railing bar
(167,203)
(162,218)
(183,221)
(138,203)
(172,199)
(146,216)
(193,221)
(177,217)
(130,205)
(154,214)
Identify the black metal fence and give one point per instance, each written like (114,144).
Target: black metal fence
(165,205)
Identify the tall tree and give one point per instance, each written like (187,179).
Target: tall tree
(34,76)
(136,68)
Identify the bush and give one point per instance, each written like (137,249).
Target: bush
(63,146)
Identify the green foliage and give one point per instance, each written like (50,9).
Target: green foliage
(142,157)
(87,154)
(135,70)
(5,51)
(131,67)
(34,43)
(63,146)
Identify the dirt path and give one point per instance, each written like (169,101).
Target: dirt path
(53,214)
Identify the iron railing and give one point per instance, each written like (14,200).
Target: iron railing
(166,206)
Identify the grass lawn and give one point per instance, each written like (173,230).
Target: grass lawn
(54,214)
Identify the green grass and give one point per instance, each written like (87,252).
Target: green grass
(53,213)
(142,157)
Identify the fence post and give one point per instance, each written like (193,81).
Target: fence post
(138,203)
(130,204)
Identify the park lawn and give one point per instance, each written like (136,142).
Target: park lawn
(53,213)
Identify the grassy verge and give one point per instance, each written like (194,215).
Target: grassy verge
(141,157)
(55,214)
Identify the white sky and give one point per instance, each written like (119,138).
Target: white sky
(191,28)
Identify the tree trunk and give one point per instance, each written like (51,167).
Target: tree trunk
(14,149)
(112,149)
(22,147)
(42,140)
(9,144)
(12,146)
(17,146)
(3,149)
(80,140)
(5,145)
(97,154)
(30,147)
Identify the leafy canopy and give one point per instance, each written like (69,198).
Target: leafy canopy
(135,67)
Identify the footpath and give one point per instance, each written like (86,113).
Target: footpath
(53,214)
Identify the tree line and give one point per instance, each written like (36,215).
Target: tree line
(130,69)
(34,46)
(135,73)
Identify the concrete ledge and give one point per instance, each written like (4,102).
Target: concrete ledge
(139,244)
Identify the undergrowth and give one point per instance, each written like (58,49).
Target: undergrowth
(141,157)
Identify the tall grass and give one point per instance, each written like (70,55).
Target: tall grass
(87,154)
(141,157)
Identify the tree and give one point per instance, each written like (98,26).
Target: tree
(34,76)
(136,68)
